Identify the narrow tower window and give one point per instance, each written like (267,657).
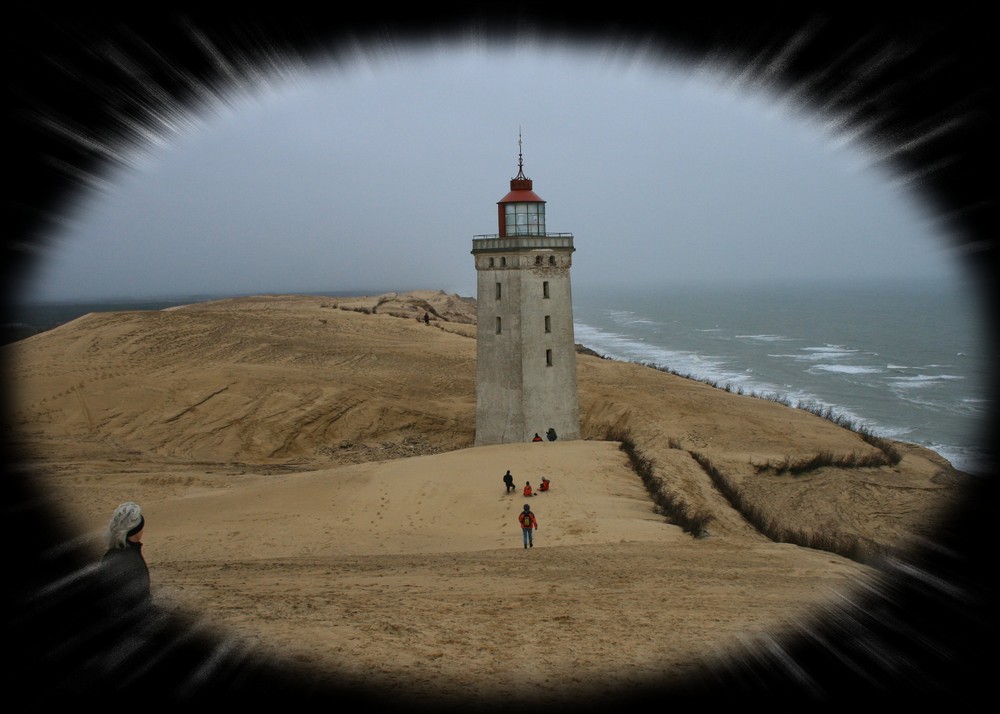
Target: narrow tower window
(548,358)
(503,261)
(545,289)
(498,291)
(498,325)
(491,262)
(552,260)
(548,323)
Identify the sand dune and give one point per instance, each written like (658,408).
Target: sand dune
(312,492)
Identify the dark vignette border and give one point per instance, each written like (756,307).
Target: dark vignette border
(920,85)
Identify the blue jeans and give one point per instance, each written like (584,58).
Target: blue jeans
(526,532)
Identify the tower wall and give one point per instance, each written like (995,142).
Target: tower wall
(525,363)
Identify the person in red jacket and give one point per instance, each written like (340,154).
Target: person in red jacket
(527,489)
(545,485)
(529,524)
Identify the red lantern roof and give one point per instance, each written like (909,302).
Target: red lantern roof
(520,186)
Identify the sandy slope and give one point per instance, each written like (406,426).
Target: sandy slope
(311,489)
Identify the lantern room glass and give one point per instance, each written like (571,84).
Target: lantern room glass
(525,219)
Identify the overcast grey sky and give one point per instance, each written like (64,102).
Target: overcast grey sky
(375,174)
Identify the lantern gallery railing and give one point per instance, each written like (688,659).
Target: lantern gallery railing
(495,242)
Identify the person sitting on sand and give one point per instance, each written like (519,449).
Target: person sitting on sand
(537,437)
(527,489)
(545,485)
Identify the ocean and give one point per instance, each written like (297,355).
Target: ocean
(905,361)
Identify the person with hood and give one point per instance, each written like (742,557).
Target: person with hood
(509,481)
(529,524)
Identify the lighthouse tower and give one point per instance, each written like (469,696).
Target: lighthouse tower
(525,348)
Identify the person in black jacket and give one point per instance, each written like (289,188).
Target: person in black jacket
(509,481)
(123,566)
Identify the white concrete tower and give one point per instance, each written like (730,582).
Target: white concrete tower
(525,347)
